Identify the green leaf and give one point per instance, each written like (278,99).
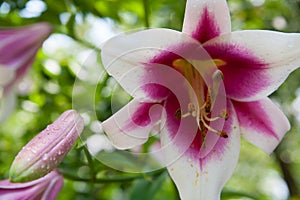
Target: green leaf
(146,189)
(228,194)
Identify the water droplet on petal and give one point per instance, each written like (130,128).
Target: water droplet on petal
(33,151)
(59,152)
(45,157)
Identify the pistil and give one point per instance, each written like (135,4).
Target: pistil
(202,114)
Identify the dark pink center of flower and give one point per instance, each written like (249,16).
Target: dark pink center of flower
(200,114)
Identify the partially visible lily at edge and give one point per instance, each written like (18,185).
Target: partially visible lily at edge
(206,83)
(18,47)
(33,173)
(44,188)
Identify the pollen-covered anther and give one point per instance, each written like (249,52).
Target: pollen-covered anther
(223,134)
(208,102)
(224,114)
(178,113)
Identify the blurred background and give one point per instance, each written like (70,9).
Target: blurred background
(68,74)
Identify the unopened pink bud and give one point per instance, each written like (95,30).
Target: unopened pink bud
(46,150)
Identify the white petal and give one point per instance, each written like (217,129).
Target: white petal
(203,179)
(262,123)
(124,54)
(206,19)
(131,125)
(259,61)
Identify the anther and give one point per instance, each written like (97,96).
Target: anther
(208,103)
(178,114)
(224,114)
(223,134)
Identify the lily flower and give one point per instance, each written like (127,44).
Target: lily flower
(44,188)
(47,149)
(18,47)
(207,86)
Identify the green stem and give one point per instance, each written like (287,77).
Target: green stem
(112,179)
(146,13)
(90,163)
(287,175)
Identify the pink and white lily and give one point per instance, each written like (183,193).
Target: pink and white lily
(206,86)
(46,188)
(18,47)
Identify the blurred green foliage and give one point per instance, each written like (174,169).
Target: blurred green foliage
(71,56)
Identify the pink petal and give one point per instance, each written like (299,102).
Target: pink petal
(257,62)
(19,45)
(203,178)
(205,20)
(262,123)
(131,125)
(46,187)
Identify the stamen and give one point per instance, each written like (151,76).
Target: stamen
(224,114)
(223,134)
(186,115)
(211,119)
(207,126)
(178,114)
(208,103)
(192,109)
(202,113)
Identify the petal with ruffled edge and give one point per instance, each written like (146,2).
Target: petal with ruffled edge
(131,126)
(204,178)
(205,20)
(262,123)
(255,63)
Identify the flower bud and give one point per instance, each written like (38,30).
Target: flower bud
(46,150)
